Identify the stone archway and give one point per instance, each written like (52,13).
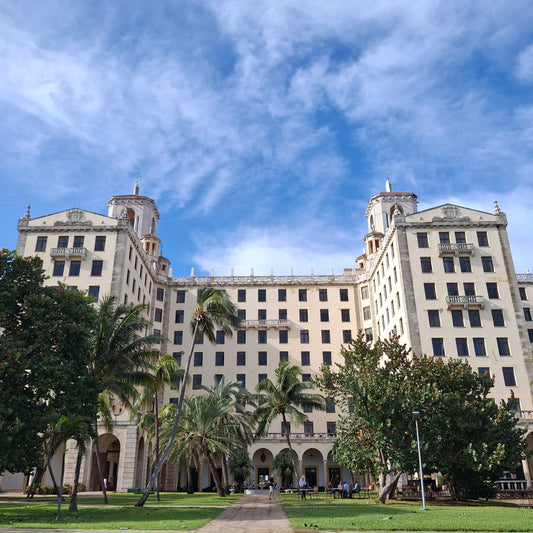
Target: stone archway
(110,455)
(262,467)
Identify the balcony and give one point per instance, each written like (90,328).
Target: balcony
(466,302)
(266,324)
(68,253)
(456,248)
(298,437)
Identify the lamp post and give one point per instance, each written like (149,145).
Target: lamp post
(415,415)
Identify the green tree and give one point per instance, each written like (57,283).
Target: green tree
(240,465)
(284,466)
(287,396)
(44,360)
(122,357)
(213,309)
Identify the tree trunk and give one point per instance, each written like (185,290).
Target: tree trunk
(225,480)
(37,478)
(99,463)
(158,481)
(214,473)
(190,489)
(60,496)
(73,506)
(287,436)
(389,487)
(166,451)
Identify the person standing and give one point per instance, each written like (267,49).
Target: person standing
(271,485)
(302,484)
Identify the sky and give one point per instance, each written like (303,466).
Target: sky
(262,127)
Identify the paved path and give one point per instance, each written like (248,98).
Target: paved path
(251,514)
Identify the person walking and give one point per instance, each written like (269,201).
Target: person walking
(271,486)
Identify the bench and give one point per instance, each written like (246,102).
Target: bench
(134,490)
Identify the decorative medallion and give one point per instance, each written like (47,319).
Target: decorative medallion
(450,211)
(75,215)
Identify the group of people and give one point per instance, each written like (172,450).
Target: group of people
(344,489)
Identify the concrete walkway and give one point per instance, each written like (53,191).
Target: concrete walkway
(251,514)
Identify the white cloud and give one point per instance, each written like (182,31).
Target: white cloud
(524,65)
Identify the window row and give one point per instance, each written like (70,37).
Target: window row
(77,242)
(282,295)
(478,345)
(75,268)
(469,289)
(241,378)
(474,318)
(449,264)
(444,238)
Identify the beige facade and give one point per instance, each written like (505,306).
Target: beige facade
(442,279)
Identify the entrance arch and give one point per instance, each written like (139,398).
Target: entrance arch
(110,455)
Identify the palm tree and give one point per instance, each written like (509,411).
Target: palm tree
(236,398)
(240,465)
(122,358)
(213,308)
(284,466)
(166,371)
(284,397)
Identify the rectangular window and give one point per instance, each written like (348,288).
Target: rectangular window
(345,315)
(241,295)
(40,246)
(324,315)
(425,264)
(241,358)
(241,313)
(302,295)
(530,334)
(180,297)
(285,428)
(343,295)
(78,241)
(346,336)
(307,408)
(503,346)
(219,358)
(326,337)
(158,314)
(177,357)
(196,381)
(306,377)
(497,317)
(331,428)
(462,346)
(330,406)
(483,371)
(449,265)
(438,347)
(99,243)
(364,292)
(94,291)
(261,314)
(508,376)
(262,336)
(282,314)
(160,294)
(241,378)
(523,295)
(304,336)
(492,291)
(220,337)
(262,358)
(283,336)
(262,377)
(200,339)
(457,318)
(283,356)
(241,336)
(429,291)
(282,295)
(308,429)
(422,239)
(96,268)
(323,295)
(482,238)
(464,263)
(444,237)
(479,346)
(434,319)
(59,268)
(326,358)
(369,335)
(180,315)
(304,315)
(218,378)
(62,242)
(366,313)
(261,295)
(305,358)
(452,289)
(487,264)
(474,318)
(178,337)
(460,237)
(198,359)
(470,289)
(75,267)
(527,314)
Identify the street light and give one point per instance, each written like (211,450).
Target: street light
(415,415)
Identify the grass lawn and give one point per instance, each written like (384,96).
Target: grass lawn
(175,511)
(362,514)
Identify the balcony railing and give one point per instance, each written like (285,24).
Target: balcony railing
(467,302)
(456,248)
(266,324)
(298,436)
(67,253)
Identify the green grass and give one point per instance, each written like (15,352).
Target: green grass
(176,511)
(361,514)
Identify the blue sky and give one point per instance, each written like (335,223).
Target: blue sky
(261,128)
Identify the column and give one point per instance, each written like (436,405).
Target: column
(527,472)
(325,472)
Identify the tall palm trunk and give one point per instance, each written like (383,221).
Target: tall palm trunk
(166,451)
(37,478)
(99,464)
(214,473)
(158,482)
(60,496)
(73,506)
(225,481)
(287,436)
